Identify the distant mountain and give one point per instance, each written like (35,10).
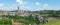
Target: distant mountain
(20,10)
(14,11)
(2,11)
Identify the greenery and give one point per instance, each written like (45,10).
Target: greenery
(4,21)
(51,13)
(57,22)
(30,19)
(27,19)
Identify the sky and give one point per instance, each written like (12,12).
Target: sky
(30,5)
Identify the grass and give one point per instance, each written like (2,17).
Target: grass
(57,22)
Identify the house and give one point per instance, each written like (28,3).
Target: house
(18,12)
(2,13)
(11,13)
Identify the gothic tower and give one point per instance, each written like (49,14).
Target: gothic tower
(18,9)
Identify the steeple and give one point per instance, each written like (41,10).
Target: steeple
(17,11)
(18,8)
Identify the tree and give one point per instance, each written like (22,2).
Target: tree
(4,21)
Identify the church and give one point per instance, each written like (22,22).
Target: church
(18,12)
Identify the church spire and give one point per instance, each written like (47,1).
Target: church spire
(18,8)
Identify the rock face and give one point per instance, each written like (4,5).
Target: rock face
(39,17)
(16,23)
(34,24)
(51,19)
(35,15)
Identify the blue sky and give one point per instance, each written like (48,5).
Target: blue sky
(31,5)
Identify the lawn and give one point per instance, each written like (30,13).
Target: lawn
(57,22)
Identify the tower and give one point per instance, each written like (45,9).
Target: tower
(18,9)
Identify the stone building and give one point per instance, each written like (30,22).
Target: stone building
(21,12)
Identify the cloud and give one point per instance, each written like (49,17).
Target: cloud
(33,9)
(37,3)
(13,4)
(27,8)
(1,4)
(22,6)
(21,2)
(45,5)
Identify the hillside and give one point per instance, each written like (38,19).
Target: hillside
(57,22)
